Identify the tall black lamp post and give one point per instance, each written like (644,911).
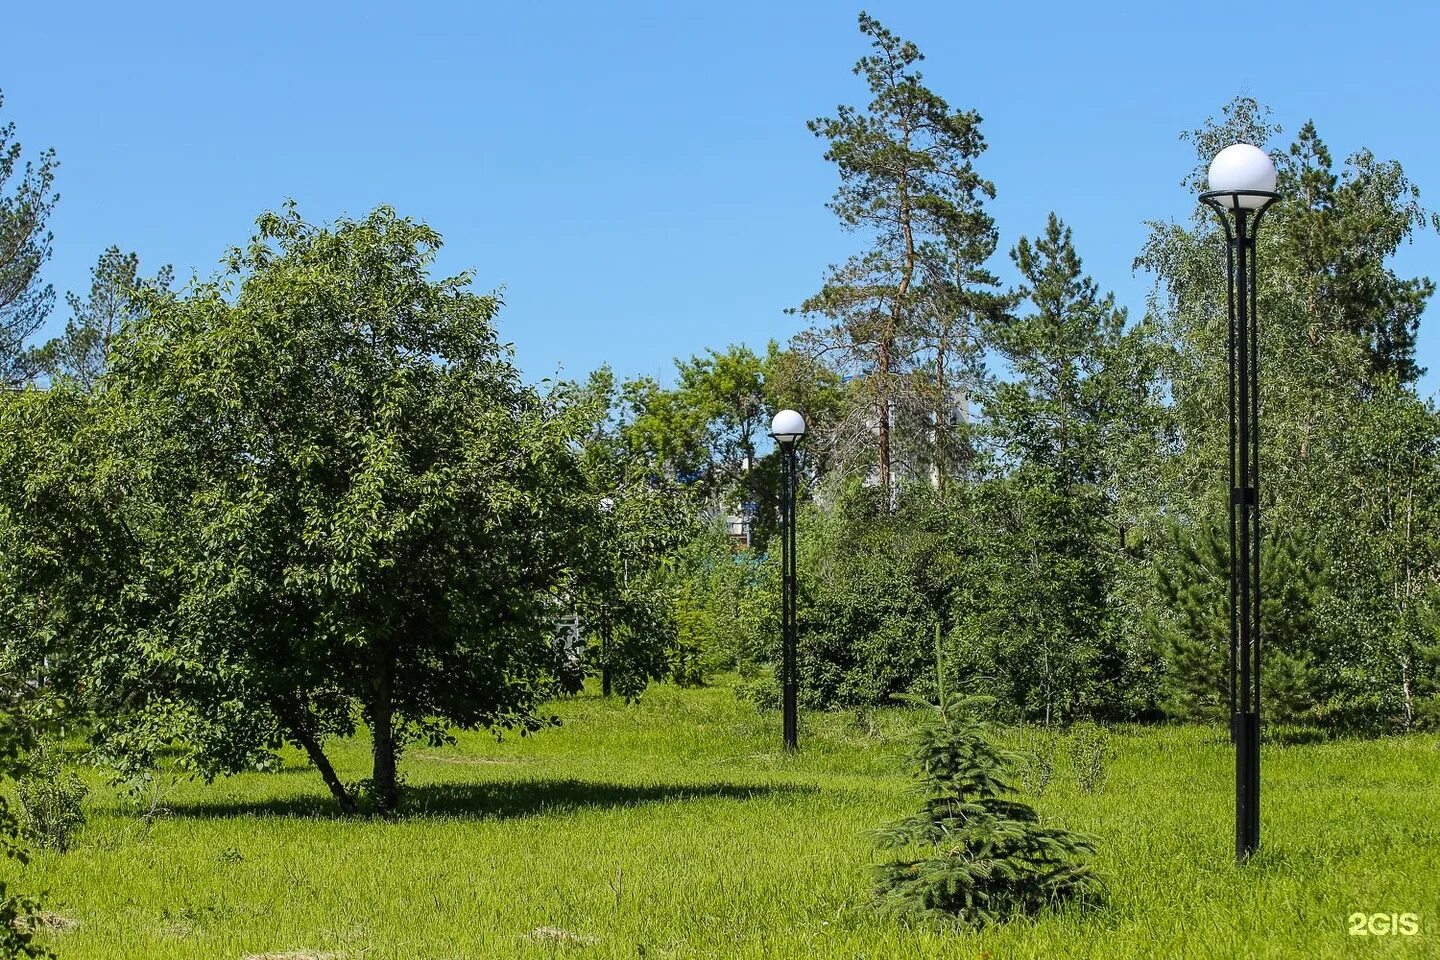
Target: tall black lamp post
(788,428)
(1242,188)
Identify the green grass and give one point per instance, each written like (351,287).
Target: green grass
(676,828)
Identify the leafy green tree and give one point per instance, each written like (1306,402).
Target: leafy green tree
(728,390)
(25,208)
(629,611)
(1340,230)
(726,608)
(874,584)
(989,856)
(676,462)
(627,616)
(709,434)
(665,434)
(1037,622)
(908,186)
(1344,462)
(705,433)
(311,490)
(115,298)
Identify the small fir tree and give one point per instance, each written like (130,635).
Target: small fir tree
(980,856)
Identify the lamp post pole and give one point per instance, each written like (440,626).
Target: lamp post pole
(787,428)
(1242,188)
(607,506)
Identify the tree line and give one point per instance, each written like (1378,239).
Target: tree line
(1041,475)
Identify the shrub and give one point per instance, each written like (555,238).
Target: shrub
(51,801)
(1037,760)
(1090,755)
(19,914)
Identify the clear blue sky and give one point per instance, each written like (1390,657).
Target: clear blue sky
(638,176)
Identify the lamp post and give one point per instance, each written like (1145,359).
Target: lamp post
(788,427)
(607,507)
(1242,188)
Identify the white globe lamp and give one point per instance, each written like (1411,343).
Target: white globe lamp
(1242,176)
(787,427)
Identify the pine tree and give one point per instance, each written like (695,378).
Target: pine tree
(989,857)
(117,294)
(1193,632)
(1066,425)
(910,190)
(25,205)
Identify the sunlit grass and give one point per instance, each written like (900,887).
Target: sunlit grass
(677,828)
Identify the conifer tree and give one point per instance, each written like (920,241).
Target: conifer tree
(116,297)
(26,202)
(1066,426)
(979,855)
(909,188)
(1191,577)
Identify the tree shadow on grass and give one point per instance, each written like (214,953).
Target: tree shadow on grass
(496,800)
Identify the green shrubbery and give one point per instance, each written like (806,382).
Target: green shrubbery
(51,800)
(18,912)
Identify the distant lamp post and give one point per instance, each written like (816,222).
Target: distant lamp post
(788,428)
(1242,188)
(607,507)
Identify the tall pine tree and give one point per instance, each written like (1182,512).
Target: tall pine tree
(1079,396)
(909,187)
(26,199)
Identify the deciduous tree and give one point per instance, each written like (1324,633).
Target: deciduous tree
(309,491)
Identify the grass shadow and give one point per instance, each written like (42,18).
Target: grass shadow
(496,800)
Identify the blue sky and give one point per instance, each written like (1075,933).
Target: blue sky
(638,176)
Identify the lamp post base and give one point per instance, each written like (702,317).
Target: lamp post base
(1245,731)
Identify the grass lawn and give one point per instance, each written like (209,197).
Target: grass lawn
(676,828)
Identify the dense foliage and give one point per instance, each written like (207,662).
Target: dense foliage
(1071,546)
(18,912)
(309,493)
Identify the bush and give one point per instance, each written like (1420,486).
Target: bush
(19,914)
(51,801)
(868,599)
(725,605)
(1090,755)
(1037,760)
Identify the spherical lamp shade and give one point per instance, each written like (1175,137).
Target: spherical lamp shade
(1242,167)
(787,427)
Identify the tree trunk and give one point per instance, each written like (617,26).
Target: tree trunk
(382,732)
(327,772)
(941,443)
(882,413)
